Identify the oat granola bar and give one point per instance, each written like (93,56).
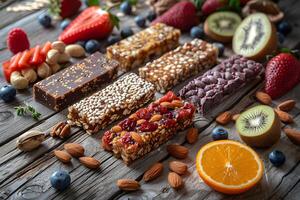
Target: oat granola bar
(211,88)
(113,102)
(179,64)
(143,46)
(148,128)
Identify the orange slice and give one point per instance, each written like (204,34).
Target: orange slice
(228,166)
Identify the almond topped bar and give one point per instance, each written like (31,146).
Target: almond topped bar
(179,64)
(113,102)
(144,45)
(148,128)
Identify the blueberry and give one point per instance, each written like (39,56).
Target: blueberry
(125,7)
(220,47)
(284,27)
(45,20)
(281,37)
(8,93)
(92,46)
(113,39)
(60,180)
(277,158)
(197,32)
(151,15)
(140,21)
(64,24)
(126,32)
(219,133)
(81,43)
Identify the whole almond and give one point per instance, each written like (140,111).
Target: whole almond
(175,180)
(284,116)
(63,156)
(264,98)
(293,135)
(153,172)
(90,162)
(167,104)
(140,121)
(177,103)
(134,116)
(235,117)
(177,151)
(192,135)
(155,118)
(116,129)
(287,105)
(74,149)
(137,137)
(178,167)
(128,184)
(224,118)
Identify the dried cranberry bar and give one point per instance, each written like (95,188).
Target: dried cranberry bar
(179,64)
(211,88)
(113,102)
(143,46)
(148,128)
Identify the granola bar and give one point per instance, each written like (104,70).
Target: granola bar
(143,46)
(148,128)
(211,88)
(113,102)
(179,64)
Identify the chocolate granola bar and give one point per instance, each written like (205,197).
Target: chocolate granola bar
(143,46)
(148,128)
(113,102)
(73,83)
(179,64)
(208,90)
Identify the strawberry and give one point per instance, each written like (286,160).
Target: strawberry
(282,74)
(92,23)
(182,15)
(17,40)
(64,8)
(210,6)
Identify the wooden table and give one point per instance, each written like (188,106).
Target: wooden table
(26,175)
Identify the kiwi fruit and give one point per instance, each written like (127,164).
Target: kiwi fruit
(259,126)
(221,26)
(255,37)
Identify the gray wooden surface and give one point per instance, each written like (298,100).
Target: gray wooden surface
(26,175)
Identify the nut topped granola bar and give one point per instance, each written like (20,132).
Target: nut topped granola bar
(148,128)
(144,45)
(179,64)
(116,100)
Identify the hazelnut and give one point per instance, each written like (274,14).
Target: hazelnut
(29,74)
(44,70)
(59,46)
(18,81)
(52,56)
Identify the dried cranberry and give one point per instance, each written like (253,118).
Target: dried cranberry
(168,97)
(143,113)
(126,139)
(183,114)
(169,115)
(148,127)
(152,107)
(169,123)
(163,110)
(128,124)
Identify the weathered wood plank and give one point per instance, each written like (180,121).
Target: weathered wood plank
(295,193)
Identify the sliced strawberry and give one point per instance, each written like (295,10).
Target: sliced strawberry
(45,50)
(6,70)
(24,60)
(36,58)
(14,61)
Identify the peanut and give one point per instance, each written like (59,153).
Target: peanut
(59,46)
(44,70)
(29,74)
(18,81)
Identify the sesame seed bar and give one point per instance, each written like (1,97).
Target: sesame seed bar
(75,82)
(148,128)
(212,87)
(119,99)
(179,64)
(144,45)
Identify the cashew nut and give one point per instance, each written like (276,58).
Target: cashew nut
(52,56)
(18,81)
(44,70)
(55,68)
(63,58)
(75,50)
(59,46)
(29,74)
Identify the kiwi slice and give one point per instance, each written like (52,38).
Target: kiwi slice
(221,26)
(255,37)
(259,126)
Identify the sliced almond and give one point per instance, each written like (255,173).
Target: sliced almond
(155,118)
(137,137)
(90,162)
(284,116)
(177,151)
(74,149)
(235,117)
(175,180)
(128,184)
(153,172)
(116,128)
(192,135)
(178,167)
(224,118)
(56,129)
(65,132)
(177,103)
(287,105)
(293,135)
(264,98)
(63,156)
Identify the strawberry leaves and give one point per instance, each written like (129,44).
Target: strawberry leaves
(114,20)
(198,3)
